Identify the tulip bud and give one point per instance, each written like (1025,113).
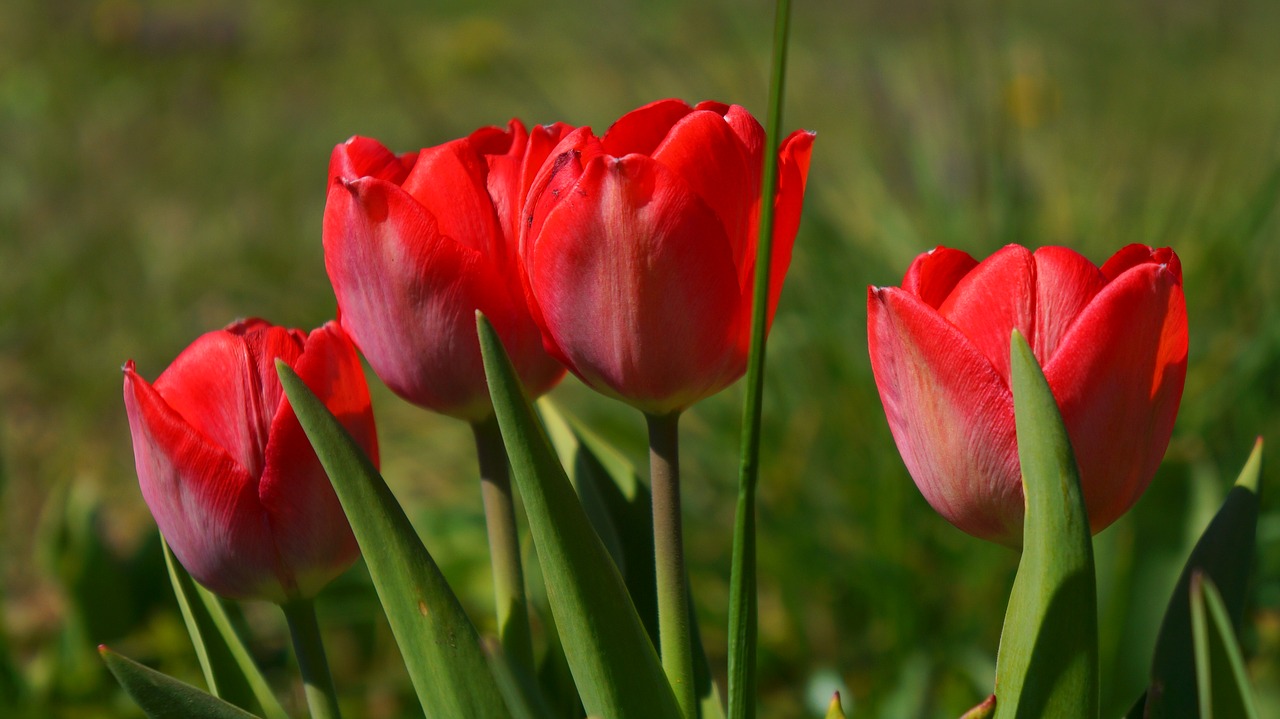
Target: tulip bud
(1113,345)
(226,469)
(639,249)
(414,244)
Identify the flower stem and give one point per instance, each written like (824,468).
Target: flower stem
(317,683)
(504,545)
(668,549)
(743,609)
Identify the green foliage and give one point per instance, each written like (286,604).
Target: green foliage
(440,646)
(613,661)
(163,697)
(1048,661)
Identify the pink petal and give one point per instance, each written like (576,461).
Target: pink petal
(204,502)
(950,413)
(1118,377)
(638,288)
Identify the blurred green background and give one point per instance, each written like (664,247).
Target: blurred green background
(162,172)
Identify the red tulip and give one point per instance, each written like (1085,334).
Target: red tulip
(640,249)
(1113,345)
(414,244)
(226,470)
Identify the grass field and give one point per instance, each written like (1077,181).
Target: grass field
(163,172)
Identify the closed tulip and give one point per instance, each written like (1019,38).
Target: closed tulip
(414,244)
(226,469)
(640,247)
(1113,345)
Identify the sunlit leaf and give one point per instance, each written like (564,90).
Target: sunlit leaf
(1048,660)
(612,659)
(439,644)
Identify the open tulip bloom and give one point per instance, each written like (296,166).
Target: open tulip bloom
(1113,344)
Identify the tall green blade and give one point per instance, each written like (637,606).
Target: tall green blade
(1224,555)
(613,662)
(163,697)
(229,670)
(1048,661)
(1221,680)
(618,504)
(439,644)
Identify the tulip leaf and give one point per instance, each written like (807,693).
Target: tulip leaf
(1221,681)
(519,692)
(834,709)
(619,506)
(229,670)
(1223,555)
(161,696)
(439,644)
(609,652)
(985,710)
(1048,660)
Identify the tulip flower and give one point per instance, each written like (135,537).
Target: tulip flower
(226,469)
(639,255)
(414,244)
(1113,345)
(639,251)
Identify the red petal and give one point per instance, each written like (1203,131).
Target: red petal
(408,296)
(748,130)
(1066,283)
(643,129)
(204,502)
(365,157)
(934,274)
(951,415)
(1118,378)
(793,172)
(638,288)
(450,181)
(992,300)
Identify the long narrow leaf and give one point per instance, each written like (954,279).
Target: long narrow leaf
(1048,661)
(163,697)
(612,659)
(228,668)
(1223,554)
(439,644)
(618,504)
(1221,680)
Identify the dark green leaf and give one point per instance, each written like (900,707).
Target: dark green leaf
(163,697)
(1224,555)
(228,668)
(1221,681)
(1048,661)
(439,644)
(612,659)
(519,692)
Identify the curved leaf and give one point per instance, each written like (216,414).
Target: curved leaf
(1048,660)
(610,655)
(439,644)
(1221,681)
(163,697)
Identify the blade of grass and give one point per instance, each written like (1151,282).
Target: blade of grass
(743,609)
(1048,660)
(613,662)
(439,644)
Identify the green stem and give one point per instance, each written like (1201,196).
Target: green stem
(316,680)
(743,609)
(504,545)
(668,549)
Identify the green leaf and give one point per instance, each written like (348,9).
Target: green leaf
(1224,555)
(163,697)
(519,692)
(618,504)
(439,644)
(985,710)
(229,670)
(1221,680)
(835,710)
(612,659)
(1048,661)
